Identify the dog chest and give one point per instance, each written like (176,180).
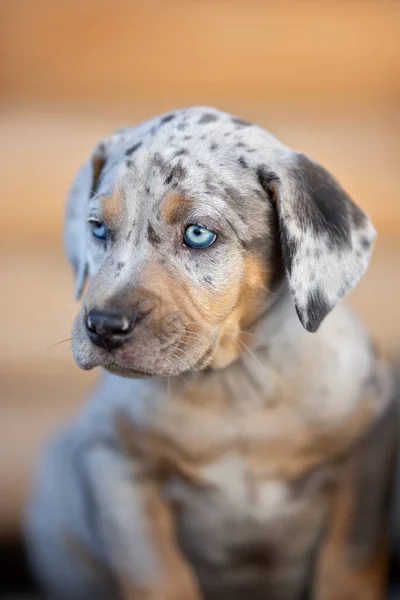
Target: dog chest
(229,516)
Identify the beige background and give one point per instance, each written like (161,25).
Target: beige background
(324,76)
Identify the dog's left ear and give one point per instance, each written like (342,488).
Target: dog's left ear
(326,239)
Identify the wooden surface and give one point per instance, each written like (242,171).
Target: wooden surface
(323,76)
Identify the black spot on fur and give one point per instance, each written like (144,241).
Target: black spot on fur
(243,163)
(129,163)
(147,189)
(240,145)
(128,237)
(211,190)
(186,137)
(153,238)
(267,179)
(167,118)
(250,150)
(200,164)
(178,172)
(258,193)
(240,122)
(316,310)
(133,149)
(365,242)
(181,126)
(181,152)
(321,204)
(213,146)
(237,200)
(161,163)
(119,266)
(289,249)
(207,118)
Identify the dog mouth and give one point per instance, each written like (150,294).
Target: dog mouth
(135,372)
(136,362)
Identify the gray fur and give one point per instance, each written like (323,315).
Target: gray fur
(241,181)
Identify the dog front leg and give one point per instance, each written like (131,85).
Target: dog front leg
(354,557)
(135,525)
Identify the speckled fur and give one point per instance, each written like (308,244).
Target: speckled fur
(217,477)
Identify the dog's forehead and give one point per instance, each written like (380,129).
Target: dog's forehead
(202,152)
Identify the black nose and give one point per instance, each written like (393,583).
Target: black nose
(107,328)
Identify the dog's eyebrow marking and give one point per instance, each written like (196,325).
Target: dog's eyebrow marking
(207,118)
(133,149)
(240,122)
(153,238)
(167,118)
(175,208)
(112,208)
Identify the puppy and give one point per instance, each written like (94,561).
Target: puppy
(241,442)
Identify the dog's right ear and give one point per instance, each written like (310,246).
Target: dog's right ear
(75,236)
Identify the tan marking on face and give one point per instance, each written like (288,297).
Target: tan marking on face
(113,208)
(175,208)
(250,296)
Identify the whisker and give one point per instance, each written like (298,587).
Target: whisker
(61,342)
(92,192)
(250,351)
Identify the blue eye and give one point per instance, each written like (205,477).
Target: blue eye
(98,229)
(197,236)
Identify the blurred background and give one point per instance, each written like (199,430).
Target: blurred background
(323,76)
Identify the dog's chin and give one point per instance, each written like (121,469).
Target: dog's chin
(127,372)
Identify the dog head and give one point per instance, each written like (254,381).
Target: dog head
(185,224)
